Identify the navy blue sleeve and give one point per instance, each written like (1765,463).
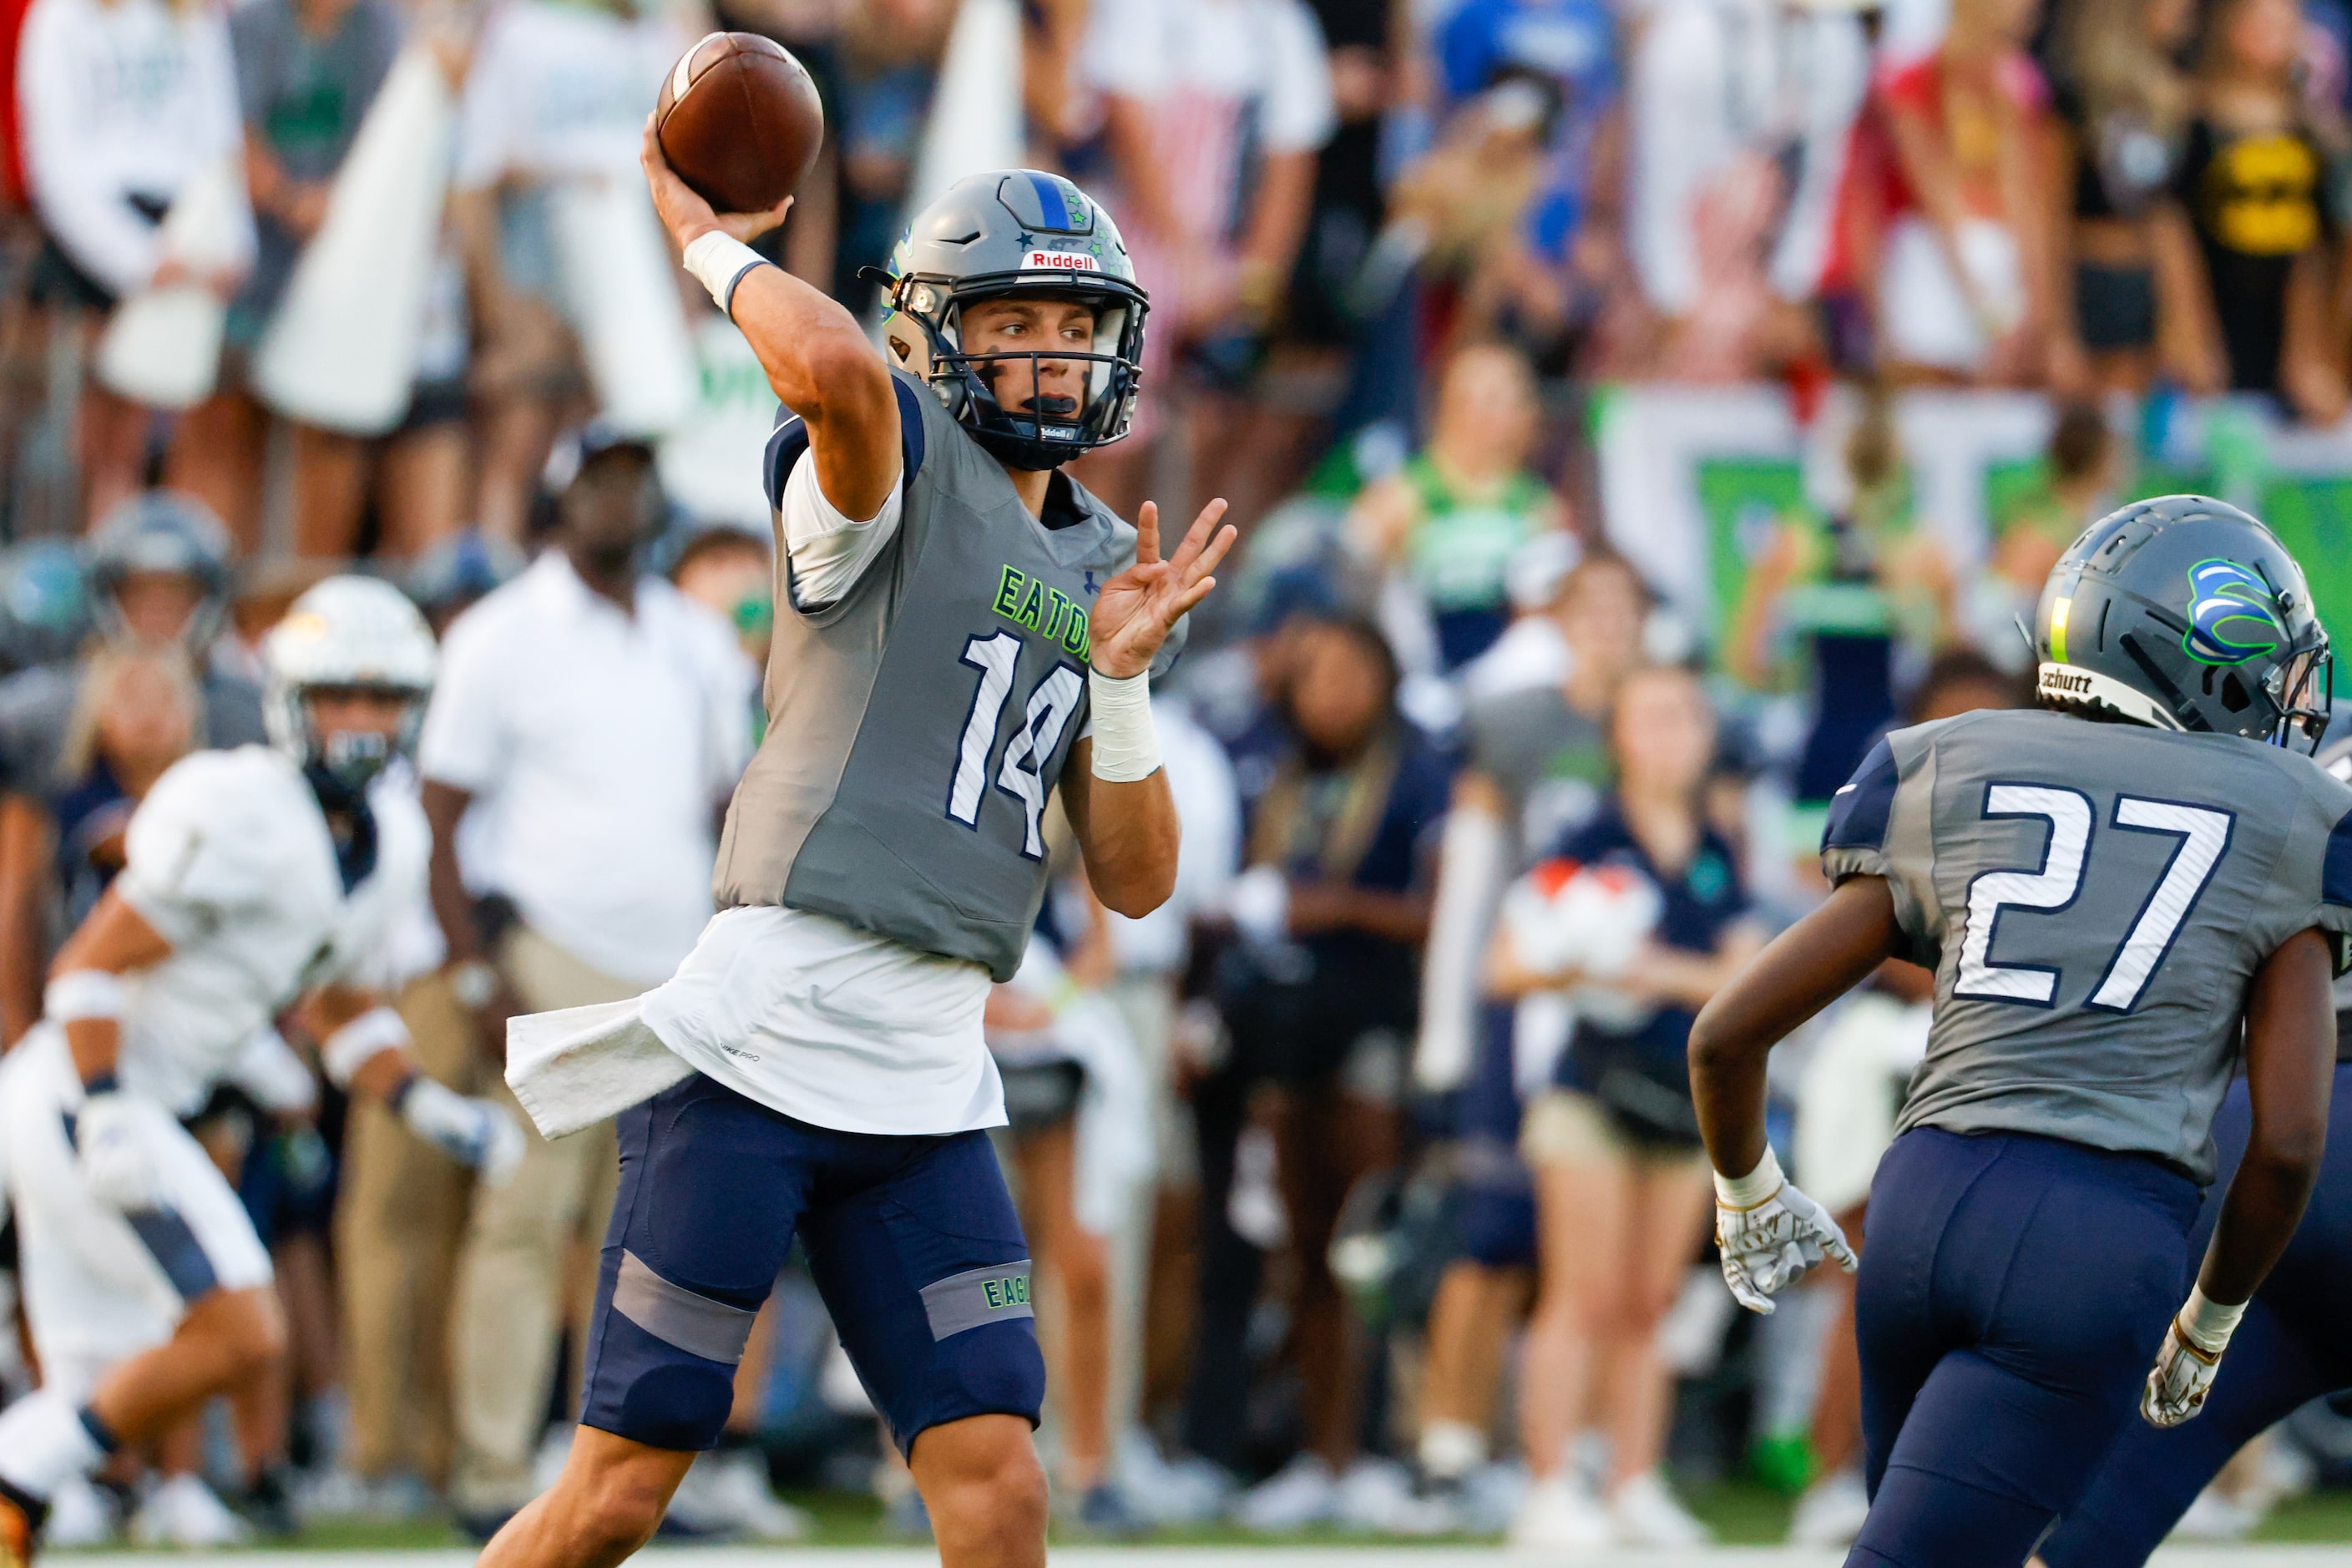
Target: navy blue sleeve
(1859,812)
(2335,870)
(790,439)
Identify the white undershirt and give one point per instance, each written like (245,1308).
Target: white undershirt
(831,551)
(811,1017)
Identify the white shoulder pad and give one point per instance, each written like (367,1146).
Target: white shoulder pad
(220,830)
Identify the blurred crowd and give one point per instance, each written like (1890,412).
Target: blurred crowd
(1362,1178)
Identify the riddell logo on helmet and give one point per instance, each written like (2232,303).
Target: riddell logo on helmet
(1074,260)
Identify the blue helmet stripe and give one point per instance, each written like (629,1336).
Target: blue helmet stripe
(1054,212)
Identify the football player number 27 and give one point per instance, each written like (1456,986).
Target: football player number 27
(1021,775)
(2201,836)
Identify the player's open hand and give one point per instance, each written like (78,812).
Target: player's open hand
(1770,1246)
(1137,609)
(684,212)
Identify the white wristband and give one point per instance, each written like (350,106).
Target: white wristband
(2208,1324)
(81,993)
(349,1048)
(1747,1191)
(1127,745)
(719,262)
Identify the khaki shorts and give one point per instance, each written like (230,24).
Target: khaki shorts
(1563,1126)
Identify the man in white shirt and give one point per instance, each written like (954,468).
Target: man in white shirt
(594,719)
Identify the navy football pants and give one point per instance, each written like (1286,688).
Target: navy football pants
(913,1243)
(2013,1291)
(2290,1349)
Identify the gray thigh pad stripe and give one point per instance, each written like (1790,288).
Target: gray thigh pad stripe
(677,1315)
(977,1297)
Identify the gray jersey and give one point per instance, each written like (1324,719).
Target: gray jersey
(2094,900)
(917,726)
(1550,762)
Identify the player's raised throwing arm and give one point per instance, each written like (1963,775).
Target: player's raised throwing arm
(1114,789)
(816,356)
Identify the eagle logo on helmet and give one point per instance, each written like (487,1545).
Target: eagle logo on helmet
(2233,615)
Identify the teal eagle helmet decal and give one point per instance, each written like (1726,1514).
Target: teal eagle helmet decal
(2233,615)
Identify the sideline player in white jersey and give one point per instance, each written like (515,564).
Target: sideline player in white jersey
(256,880)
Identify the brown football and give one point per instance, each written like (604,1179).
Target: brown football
(739,119)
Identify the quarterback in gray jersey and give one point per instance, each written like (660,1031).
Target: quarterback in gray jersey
(962,631)
(2126,898)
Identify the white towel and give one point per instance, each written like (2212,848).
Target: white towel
(579,1066)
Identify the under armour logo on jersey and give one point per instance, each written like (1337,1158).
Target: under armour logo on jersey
(1089,589)
(2232,615)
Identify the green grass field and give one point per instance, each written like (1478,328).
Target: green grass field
(1738,1514)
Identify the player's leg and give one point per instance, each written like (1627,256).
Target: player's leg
(1668,1208)
(1582,1180)
(922,1264)
(2057,1269)
(175,1302)
(2149,1478)
(1897,1336)
(711,1187)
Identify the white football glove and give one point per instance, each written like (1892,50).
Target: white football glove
(473,1133)
(1771,1235)
(114,1145)
(2188,1361)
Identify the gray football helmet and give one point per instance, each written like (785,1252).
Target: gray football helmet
(161,532)
(1016,231)
(2183,613)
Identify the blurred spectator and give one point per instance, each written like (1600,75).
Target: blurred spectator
(726,571)
(1832,599)
(2128,294)
(1567,243)
(122,103)
(1538,767)
(1449,522)
(1622,1194)
(1213,110)
(1739,114)
(888,56)
(308,72)
(556,92)
(1320,1001)
(1058,1049)
(137,714)
(456,573)
(2252,177)
(159,577)
(1962,227)
(580,704)
(2084,464)
(1155,1251)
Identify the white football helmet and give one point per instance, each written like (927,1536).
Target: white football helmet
(346,632)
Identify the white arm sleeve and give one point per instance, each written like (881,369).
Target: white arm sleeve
(830,552)
(57,59)
(1469,876)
